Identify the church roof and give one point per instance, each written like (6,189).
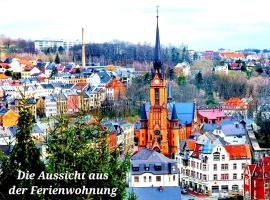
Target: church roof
(185,111)
(143,113)
(174,113)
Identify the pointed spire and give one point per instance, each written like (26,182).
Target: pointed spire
(174,113)
(143,113)
(157,52)
(169,91)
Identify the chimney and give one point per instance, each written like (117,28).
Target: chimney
(83,49)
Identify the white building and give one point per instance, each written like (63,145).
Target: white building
(152,169)
(44,44)
(222,69)
(212,168)
(232,133)
(50,106)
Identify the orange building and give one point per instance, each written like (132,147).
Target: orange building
(73,103)
(233,106)
(117,89)
(8,118)
(163,122)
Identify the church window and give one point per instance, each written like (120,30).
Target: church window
(156,96)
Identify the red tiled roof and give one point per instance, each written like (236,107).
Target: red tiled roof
(4,65)
(114,83)
(196,151)
(191,144)
(238,151)
(234,102)
(211,113)
(232,55)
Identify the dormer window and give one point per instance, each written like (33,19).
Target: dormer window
(146,167)
(135,167)
(158,166)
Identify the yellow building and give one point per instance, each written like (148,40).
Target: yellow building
(8,118)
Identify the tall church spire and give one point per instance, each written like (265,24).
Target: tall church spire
(157,53)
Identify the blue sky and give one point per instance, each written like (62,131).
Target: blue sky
(202,24)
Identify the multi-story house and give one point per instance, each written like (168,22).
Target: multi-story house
(50,106)
(152,169)
(115,90)
(234,106)
(209,167)
(257,180)
(233,133)
(44,44)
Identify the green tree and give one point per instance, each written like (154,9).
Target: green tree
(199,80)
(147,78)
(25,156)
(181,80)
(210,100)
(8,73)
(57,59)
(84,148)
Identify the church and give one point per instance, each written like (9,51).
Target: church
(163,122)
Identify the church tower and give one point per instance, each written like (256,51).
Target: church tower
(157,120)
(154,128)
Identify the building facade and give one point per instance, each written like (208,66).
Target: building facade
(152,169)
(212,168)
(257,180)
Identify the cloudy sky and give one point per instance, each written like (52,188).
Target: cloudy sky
(202,24)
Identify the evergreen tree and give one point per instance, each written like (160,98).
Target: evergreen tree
(210,100)
(84,148)
(57,59)
(181,80)
(24,156)
(199,80)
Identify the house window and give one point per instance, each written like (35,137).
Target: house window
(234,176)
(223,157)
(242,176)
(156,96)
(204,178)
(144,179)
(266,196)
(243,165)
(266,185)
(158,178)
(224,188)
(224,167)
(158,167)
(137,168)
(215,167)
(204,167)
(216,156)
(136,179)
(215,177)
(150,179)
(234,166)
(224,176)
